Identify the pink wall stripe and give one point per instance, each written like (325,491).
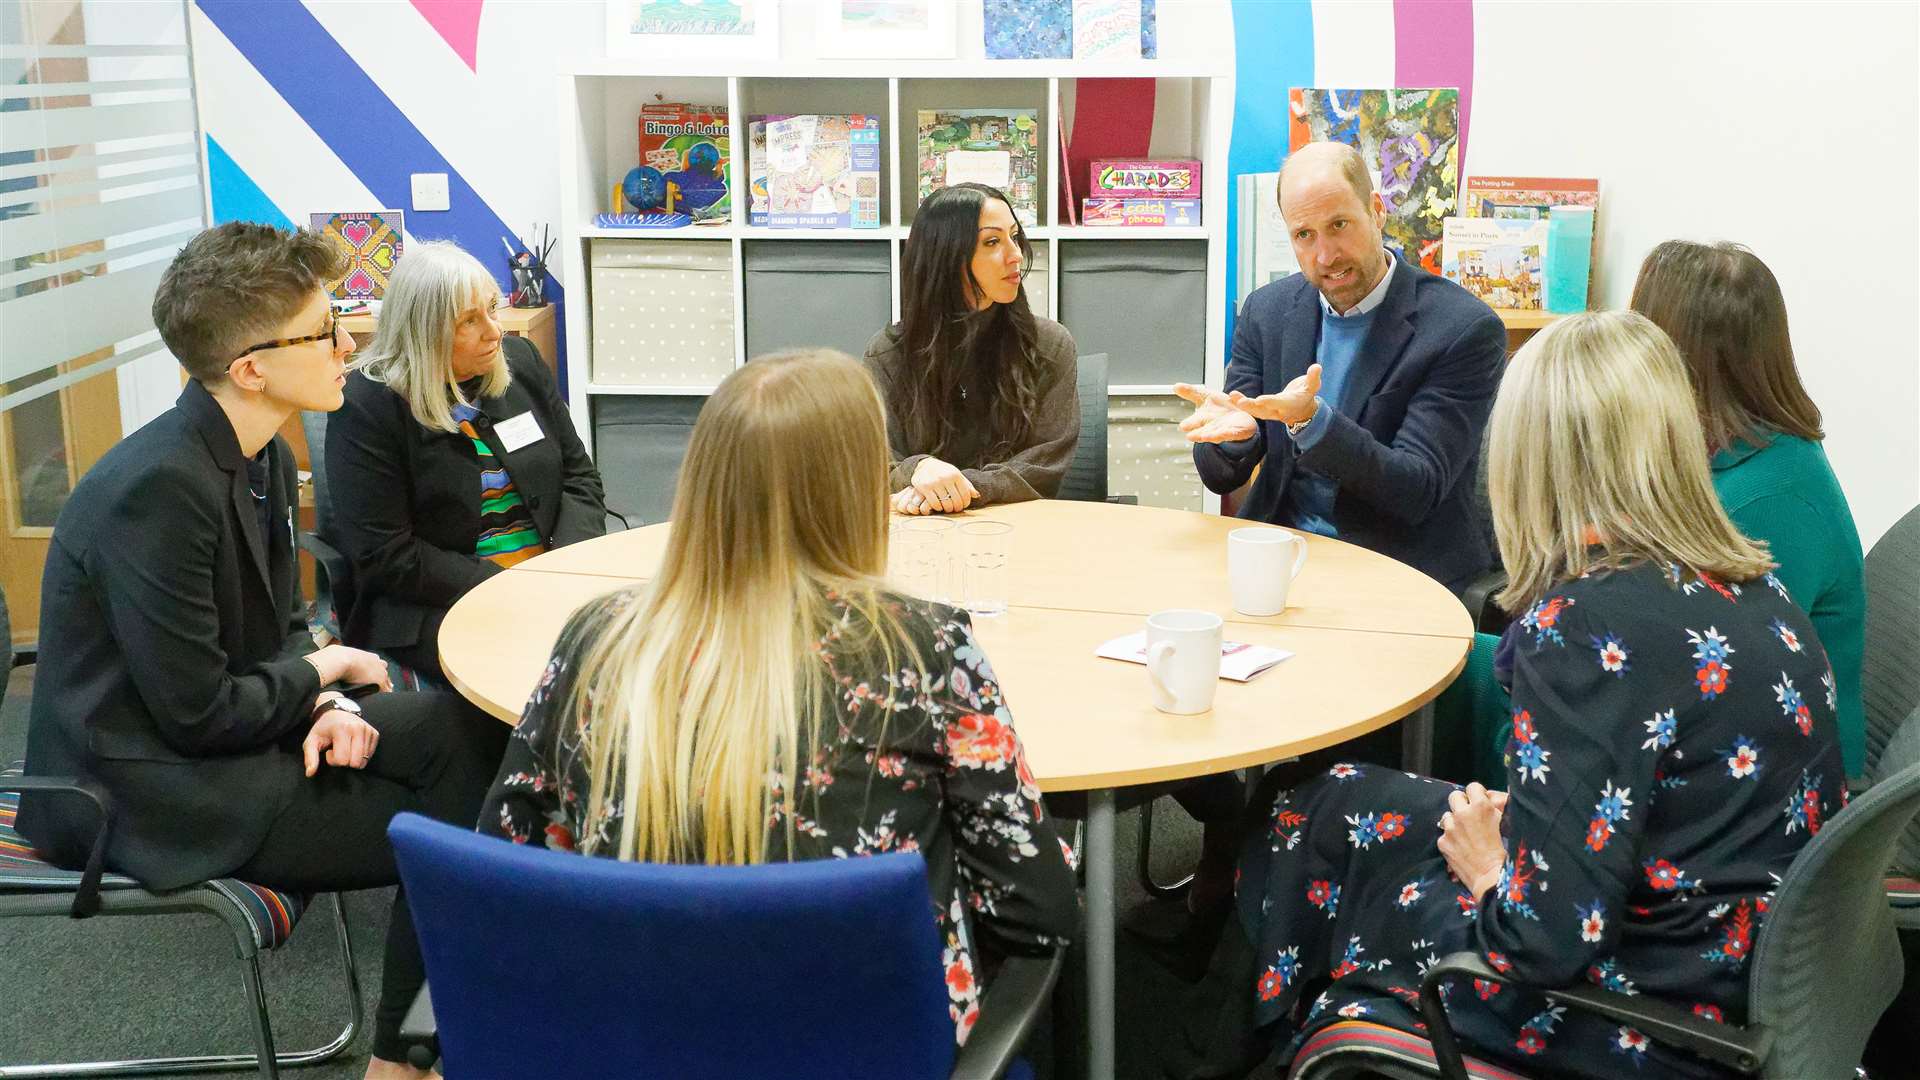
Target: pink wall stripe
(1433,46)
(458,21)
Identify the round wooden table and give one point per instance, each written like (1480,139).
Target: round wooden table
(1373,641)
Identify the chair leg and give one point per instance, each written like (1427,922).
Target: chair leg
(262,1026)
(1144,857)
(264,1059)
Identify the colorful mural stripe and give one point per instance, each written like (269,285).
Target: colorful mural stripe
(1273,51)
(360,124)
(1433,46)
(234,195)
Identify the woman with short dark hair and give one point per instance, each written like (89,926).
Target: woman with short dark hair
(1722,307)
(176,671)
(982,403)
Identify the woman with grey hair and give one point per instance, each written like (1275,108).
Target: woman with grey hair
(453,458)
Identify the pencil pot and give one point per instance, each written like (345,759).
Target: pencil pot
(530,285)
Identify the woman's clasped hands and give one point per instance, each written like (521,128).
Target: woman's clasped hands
(1470,837)
(937,488)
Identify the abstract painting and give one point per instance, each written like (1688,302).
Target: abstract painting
(1410,139)
(1028,29)
(373,239)
(697,28)
(901,29)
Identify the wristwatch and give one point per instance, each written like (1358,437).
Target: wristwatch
(342,703)
(1293,430)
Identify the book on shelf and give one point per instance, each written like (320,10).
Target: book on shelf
(1140,211)
(1145,178)
(1500,260)
(996,147)
(683,169)
(1569,205)
(1525,197)
(814,171)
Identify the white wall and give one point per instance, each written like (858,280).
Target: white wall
(1793,128)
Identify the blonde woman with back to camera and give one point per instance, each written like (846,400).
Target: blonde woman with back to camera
(766,698)
(1673,747)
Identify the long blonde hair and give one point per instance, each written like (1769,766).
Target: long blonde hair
(1595,427)
(702,701)
(413,350)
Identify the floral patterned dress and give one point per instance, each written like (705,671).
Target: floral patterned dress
(1673,747)
(944,775)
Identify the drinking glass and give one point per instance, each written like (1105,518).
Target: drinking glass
(920,558)
(984,549)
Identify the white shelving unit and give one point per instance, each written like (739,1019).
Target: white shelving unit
(599,102)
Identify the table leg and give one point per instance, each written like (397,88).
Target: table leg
(1100,934)
(1416,746)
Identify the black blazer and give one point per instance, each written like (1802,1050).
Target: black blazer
(1404,439)
(406,500)
(171,637)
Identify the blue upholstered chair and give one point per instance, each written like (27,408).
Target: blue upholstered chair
(543,963)
(1826,966)
(259,919)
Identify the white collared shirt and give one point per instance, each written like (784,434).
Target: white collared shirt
(1368,302)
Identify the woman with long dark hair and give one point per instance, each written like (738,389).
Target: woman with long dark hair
(981,400)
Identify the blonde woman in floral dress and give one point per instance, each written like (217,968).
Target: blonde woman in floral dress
(1674,745)
(765,698)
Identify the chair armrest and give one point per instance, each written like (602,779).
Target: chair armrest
(1478,599)
(86,899)
(420,1030)
(624,523)
(1739,1048)
(335,564)
(1124,500)
(1008,1011)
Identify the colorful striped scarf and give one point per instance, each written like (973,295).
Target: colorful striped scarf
(507,533)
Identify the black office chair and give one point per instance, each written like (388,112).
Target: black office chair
(1086,479)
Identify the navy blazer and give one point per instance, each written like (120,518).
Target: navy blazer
(172,637)
(406,500)
(1403,442)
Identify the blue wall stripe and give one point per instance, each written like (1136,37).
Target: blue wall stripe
(235,196)
(1273,52)
(363,127)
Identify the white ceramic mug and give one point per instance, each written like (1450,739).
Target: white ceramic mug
(1261,566)
(1183,659)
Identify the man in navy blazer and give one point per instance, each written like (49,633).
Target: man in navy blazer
(1363,383)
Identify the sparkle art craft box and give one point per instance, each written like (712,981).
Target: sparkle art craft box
(814,172)
(1177,179)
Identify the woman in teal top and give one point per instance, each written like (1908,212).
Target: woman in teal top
(1723,308)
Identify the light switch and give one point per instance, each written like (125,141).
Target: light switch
(430,191)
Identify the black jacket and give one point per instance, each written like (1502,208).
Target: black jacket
(1404,439)
(406,500)
(171,637)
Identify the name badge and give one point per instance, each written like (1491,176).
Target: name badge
(522,430)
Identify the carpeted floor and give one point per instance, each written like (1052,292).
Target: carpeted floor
(113,988)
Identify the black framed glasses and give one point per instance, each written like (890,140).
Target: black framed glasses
(330,334)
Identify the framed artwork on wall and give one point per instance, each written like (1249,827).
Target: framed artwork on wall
(890,29)
(736,29)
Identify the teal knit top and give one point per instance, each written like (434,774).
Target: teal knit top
(1779,488)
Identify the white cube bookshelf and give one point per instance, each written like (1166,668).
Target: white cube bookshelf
(599,104)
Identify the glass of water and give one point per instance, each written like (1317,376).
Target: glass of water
(984,547)
(920,558)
